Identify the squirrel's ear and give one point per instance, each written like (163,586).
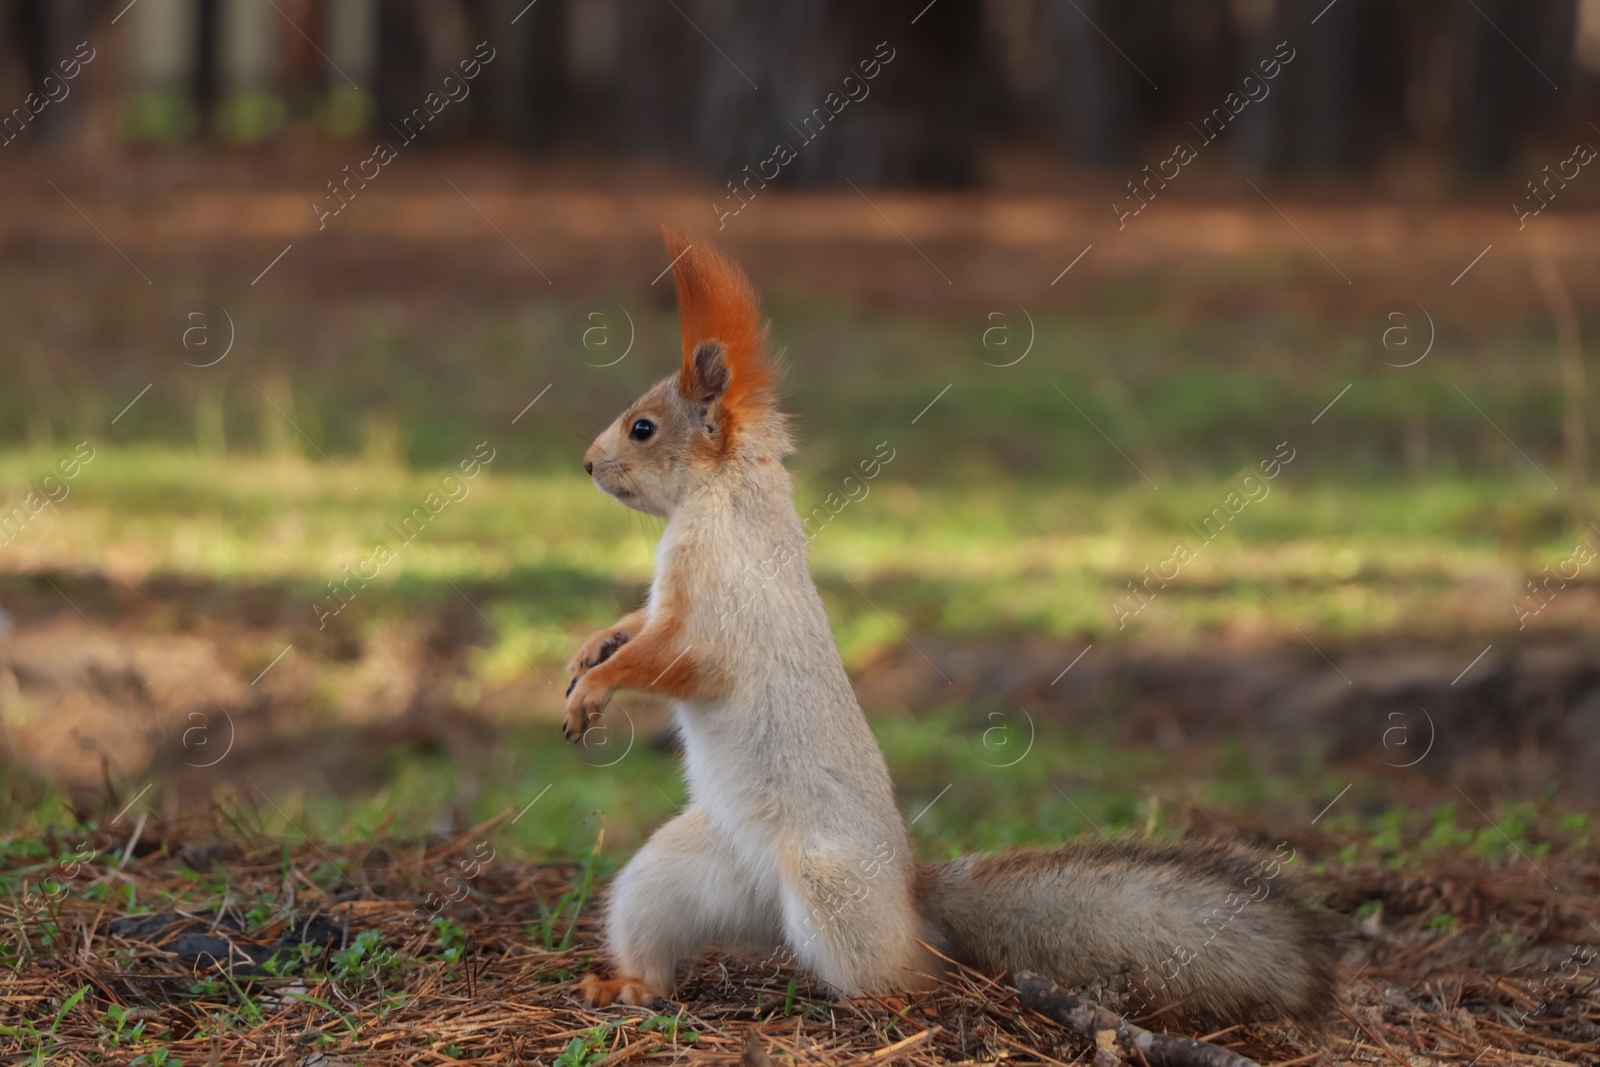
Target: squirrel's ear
(709,380)
(723,340)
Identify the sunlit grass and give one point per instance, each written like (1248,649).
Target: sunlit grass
(552,555)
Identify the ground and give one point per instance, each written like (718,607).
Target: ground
(1461,946)
(214,744)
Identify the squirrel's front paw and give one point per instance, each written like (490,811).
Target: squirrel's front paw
(595,650)
(585,702)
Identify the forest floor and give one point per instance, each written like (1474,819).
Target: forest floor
(148,943)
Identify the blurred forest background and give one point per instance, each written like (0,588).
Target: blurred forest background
(1462,83)
(276,314)
(1225,369)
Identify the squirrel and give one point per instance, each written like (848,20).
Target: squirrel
(792,838)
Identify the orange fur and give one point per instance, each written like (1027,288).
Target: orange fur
(717,303)
(600,992)
(657,661)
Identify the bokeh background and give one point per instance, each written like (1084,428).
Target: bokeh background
(271,270)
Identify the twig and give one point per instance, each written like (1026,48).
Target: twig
(133,840)
(889,1052)
(1030,1050)
(1569,349)
(1091,1020)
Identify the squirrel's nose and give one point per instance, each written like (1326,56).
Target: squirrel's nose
(588,466)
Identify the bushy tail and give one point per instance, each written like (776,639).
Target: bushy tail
(1207,925)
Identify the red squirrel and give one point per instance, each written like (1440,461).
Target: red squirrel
(792,840)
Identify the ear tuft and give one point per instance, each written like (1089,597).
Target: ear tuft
(717,304)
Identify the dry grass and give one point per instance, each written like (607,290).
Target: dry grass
(464,968)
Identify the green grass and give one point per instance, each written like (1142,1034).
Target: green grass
(1188,385)
(1068,784)
(551,555)
(546,558)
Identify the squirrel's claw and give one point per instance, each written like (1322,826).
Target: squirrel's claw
(595,650)
(609,646)
(585,702)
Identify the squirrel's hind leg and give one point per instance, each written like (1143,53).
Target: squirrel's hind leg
(680,894)
(857,933)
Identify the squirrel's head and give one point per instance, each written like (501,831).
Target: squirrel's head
(717,411)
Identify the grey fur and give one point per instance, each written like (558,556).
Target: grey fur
(1200,924)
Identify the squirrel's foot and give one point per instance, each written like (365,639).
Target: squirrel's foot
(585,702)
(598,992)
(595,650)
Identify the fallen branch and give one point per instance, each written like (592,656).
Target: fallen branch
(1101,1026)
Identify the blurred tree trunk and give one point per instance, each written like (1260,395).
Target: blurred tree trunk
(776,74)
(1204,56)
(303,65)
(206,85)
(1336,60)
(401,64)
(49,32)
(1500,95)
(529,96)
(658,80)
(1342,97)
(933,93)
(1100,51)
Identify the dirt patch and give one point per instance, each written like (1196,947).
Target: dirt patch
(1490,713)
(162,678)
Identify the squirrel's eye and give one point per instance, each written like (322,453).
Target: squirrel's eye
(642,430)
